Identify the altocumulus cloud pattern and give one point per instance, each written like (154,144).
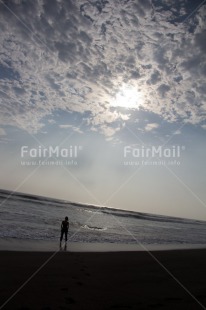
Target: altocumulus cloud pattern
(79,56)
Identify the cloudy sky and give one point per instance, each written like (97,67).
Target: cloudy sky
(106,80)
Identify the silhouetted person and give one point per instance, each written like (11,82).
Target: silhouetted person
(64,229)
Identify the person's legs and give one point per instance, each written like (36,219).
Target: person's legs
(66,235)
(61,237)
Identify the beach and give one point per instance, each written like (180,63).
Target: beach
(173,279)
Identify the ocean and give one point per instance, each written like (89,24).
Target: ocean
(28,217)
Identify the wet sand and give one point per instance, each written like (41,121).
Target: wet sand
(105,280)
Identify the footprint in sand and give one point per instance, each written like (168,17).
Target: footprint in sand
(201,296)
(156,305)
(69,300)
(173,298)
(79,283)
(74,277)
(65,289)
(121,307)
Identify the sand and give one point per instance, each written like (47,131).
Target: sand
(107,280)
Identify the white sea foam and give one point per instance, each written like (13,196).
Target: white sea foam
(94,228)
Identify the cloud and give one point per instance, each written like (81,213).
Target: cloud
(65,126)
(152,126)
(108,131)
(155,78)
(2,132)
(75,57)
(76,129)
(177,132)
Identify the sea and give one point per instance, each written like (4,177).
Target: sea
(25,217)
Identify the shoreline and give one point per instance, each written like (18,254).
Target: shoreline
(105,280)
(23,245)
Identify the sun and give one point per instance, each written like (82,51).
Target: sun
(127,97)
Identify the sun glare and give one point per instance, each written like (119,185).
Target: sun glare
(127,97)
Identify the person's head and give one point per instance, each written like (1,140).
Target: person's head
(66,218)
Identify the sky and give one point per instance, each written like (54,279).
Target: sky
(104,102)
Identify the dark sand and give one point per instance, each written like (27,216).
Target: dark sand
(118,280)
